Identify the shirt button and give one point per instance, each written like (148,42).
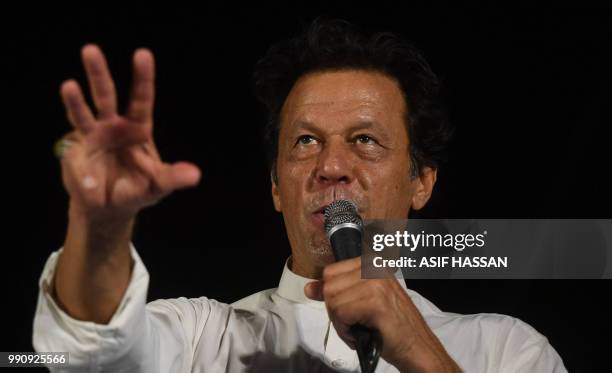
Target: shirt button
(338,363)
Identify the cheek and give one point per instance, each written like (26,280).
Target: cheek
(292,179)
(389,190)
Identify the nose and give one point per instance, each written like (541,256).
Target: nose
(334,165)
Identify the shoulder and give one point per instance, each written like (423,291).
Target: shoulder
(188,311)
(256,301)
(194,318)
(504,341)
(185,305)
(491,323)
(193,311)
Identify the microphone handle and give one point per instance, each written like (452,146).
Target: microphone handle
(368,346)
(346,244)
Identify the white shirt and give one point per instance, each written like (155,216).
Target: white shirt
(275,330)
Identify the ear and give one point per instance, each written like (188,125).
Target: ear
(275,195)
(423,187)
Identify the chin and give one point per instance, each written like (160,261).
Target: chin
(321,252)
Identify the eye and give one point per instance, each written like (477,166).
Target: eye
(365,139)
(306,140)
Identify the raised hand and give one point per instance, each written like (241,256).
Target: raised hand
(113,169)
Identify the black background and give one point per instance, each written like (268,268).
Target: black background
(529,92)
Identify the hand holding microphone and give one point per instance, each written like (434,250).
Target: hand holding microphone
(376,317)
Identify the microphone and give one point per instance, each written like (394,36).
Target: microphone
(344,229)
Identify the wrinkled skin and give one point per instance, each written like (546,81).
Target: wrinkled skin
(343,135)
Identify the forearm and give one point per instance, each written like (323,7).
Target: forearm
(428,357)
(94,269)
(131,339)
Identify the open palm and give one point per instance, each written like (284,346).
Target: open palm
(113,167)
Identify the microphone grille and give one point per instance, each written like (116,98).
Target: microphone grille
(340,212)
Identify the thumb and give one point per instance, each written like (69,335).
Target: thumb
(314,290)
(177,176)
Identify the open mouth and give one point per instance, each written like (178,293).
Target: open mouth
(319,216)
(321,210)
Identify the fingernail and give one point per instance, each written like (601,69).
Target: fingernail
(308,290)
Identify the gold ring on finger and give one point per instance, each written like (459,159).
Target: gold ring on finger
(60,146)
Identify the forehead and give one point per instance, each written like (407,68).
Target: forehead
(353,93)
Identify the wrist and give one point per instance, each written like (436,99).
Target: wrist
(98,250)
(422,359)
(100,234)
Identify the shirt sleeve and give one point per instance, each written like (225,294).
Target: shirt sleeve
(526,350)
(155,337)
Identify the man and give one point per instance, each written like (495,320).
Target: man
(351,117)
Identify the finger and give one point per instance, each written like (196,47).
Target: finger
(355,307)
(363,302)
(344,332)
(117,135)
(100,80)
(356,292)
(143,87)
(340,283)
(75,149)
(324,291)
(176,176)
(351,311)
(341,267)
(145,162)
(77,110)
(314,290)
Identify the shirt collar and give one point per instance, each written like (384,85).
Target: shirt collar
(291,287)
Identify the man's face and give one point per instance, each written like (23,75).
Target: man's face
(343,136)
